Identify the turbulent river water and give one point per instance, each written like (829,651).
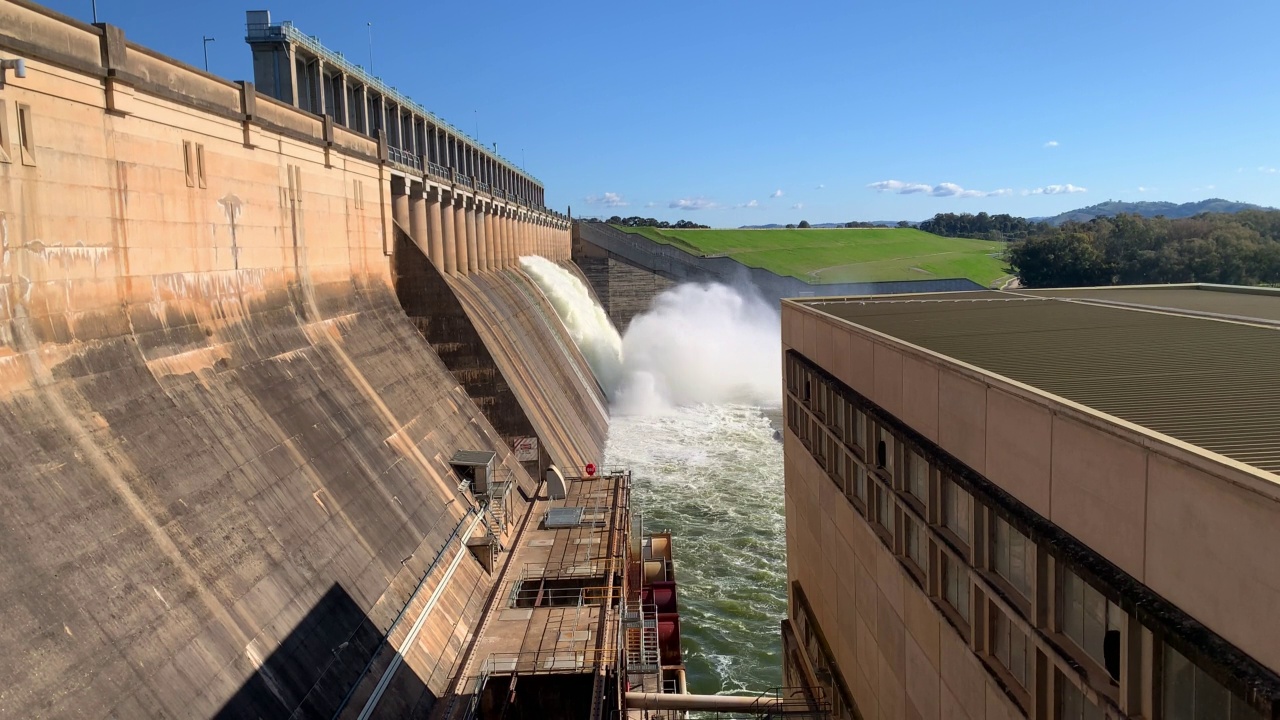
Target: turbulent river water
(694,388)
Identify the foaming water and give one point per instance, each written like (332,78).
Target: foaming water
(687,384)
(712,474)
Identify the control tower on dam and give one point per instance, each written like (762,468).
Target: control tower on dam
(277,403)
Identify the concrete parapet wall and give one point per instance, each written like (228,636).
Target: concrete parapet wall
(224,448)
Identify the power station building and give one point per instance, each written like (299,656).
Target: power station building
(1050,504)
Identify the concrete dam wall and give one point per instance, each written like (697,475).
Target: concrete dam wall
(224,447)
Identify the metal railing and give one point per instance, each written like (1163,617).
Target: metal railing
(438,170)
(404,157)
(542,662)
(287,31)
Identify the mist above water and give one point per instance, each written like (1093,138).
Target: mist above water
(698,343)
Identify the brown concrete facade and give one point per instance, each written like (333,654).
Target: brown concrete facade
(225,449)
(1125,567)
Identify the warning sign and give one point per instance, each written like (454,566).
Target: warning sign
(526,449)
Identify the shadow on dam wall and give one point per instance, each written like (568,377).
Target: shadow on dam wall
(305,678)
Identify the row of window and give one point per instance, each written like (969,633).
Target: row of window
(25,148)
(365,111)
(948,540)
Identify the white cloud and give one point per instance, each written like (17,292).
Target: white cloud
(945,189)
(1051,144)
(821,186)
(1267,170)
(900,187)
(776,194)
(1067,189)
(608,200)
(651,204)
(691,203)
(798,206)
(1142,189)
(749,204)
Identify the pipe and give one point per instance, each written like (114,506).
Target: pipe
(723,703)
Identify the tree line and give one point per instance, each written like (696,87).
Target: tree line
(982,226)
(637,221)
(1237,249)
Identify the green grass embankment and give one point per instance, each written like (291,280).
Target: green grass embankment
(844,255)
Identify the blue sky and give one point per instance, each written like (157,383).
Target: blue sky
(733,112)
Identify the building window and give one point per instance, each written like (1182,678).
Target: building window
(1011,554)
(839,416)
(1010,647)
(884,510)
(200,177)
(955,585)
(1091,621)
(917,543)
(1190,694)
(4,132)
(918,478)
(957,510)
(858,488)
(1072,704)
(860,430)
(188,163)
(26,137)
(884,450)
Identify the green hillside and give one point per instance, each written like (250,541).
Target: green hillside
(844,255)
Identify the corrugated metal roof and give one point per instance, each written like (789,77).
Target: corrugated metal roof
(1206,381)
(467,458)
(1259,303)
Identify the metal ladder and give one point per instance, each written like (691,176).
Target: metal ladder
(642,638)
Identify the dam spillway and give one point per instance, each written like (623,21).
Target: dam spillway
(228,425)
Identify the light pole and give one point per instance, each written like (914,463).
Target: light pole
(205,39)
(370,26)
(95,12)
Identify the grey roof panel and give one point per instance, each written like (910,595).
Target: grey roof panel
(563,517)
(473,457)
(1205,381)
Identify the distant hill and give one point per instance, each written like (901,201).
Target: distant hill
(1152,209)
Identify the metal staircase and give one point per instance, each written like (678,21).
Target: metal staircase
(641,638)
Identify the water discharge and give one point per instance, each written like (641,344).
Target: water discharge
(582,316)
(694,387)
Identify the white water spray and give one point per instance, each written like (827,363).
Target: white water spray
(698,343)
(582,316)
(701,344)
